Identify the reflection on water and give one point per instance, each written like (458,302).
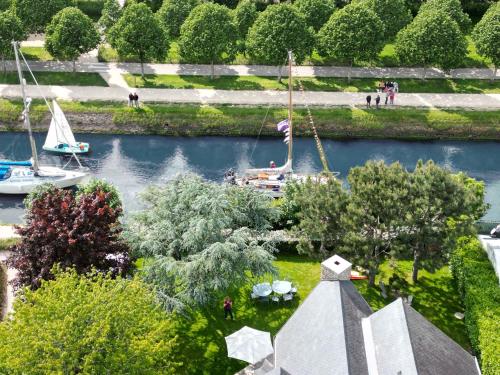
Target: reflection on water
(132,162)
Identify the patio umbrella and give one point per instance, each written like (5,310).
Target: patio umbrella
(249,345)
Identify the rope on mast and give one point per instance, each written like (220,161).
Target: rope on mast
(319,146)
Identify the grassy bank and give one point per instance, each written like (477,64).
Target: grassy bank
(194,120)
(473,86)
(203,337)
(56,78)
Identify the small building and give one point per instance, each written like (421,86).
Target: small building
(335,332)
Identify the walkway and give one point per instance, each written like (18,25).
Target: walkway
(279,98)
(259,70)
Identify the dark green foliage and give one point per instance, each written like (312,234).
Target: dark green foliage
(316,12)
(432,39)
(5,4)
(111,13)
(277,30)
(173,13)
(154,5)
(208,36)
(393,13)
(92,8)
(139,33)
(36,14)
(227,3)
(486,35)
(245,15)
(70,34)
(11,28)
(452,8)
(478,286)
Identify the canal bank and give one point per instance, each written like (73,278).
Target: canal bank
(228,120)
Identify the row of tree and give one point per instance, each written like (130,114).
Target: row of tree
(387,213)
(210,33)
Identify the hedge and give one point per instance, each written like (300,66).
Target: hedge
(478,286)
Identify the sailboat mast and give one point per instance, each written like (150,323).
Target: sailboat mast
(290,109)
(26,102)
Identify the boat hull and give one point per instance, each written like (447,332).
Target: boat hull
(79,148)
(22,180)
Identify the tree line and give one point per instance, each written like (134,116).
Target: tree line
(211,33)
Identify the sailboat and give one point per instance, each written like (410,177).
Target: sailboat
(24,176)
(272,180)
(60,138)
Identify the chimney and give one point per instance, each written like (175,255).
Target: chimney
(335,268)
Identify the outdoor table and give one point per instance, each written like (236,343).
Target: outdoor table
(282,287)
(262,289)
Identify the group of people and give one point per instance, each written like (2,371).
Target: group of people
(389,88)
(133,100)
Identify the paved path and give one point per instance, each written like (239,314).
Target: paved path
(259,70)
(209,96)
(7,231)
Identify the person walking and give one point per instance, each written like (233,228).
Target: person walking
(377,101)
(391,97)
(136,100)
(368,101)
(228,308)
(386,90)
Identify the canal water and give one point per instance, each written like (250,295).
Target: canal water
(132,162)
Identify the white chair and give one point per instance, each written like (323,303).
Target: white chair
(293,290)
(275,299)
(410,299)
(287,297)
(254,296)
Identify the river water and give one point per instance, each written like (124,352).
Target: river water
(132,162)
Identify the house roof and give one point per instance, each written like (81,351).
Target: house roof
(334,332)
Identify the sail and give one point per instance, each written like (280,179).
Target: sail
(59,130)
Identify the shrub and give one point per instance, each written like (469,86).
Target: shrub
(478,285)
(92,8)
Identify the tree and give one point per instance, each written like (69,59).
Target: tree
(139,33)
(431,39)
(173,13)
(70,34)
(208,35)
(486,36)
(111,12)
(245,15)
(36,14)
(352,33)
(11,28)
(5,4)
(393,13)
(59,229)
(375,213)
(154,5)
(89,324)
(453,8)
(316,12)
(277,30)
(227,3)
(438,198)
(113,198)
(192,233)
(319,206)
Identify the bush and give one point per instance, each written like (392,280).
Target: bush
(91,8)
(478,285)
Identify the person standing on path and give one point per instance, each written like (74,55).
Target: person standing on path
(386,90)
(396,86)
(228,308)
(377,101)
(391,97)
(136,100)
(368,101)
(130,100)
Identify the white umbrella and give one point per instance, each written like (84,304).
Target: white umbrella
(249,345)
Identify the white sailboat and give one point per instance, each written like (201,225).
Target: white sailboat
(272,180)
(60,138)
(23,177)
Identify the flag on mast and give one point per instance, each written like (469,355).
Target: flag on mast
(283,125)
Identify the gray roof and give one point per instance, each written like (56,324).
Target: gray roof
(324,335)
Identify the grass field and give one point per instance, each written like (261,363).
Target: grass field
(202,337)
(475,86)
(57,78)
(386,58)
(36,54)
(197,120)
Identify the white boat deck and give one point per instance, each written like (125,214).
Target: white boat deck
(492,248)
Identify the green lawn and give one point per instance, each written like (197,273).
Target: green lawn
(202,337)
(386,58)
(57,78)
(36,53)
(475,86)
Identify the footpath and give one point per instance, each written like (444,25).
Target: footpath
(7,231)
(119,93)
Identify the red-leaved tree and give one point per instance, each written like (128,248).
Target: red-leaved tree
(82,233)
